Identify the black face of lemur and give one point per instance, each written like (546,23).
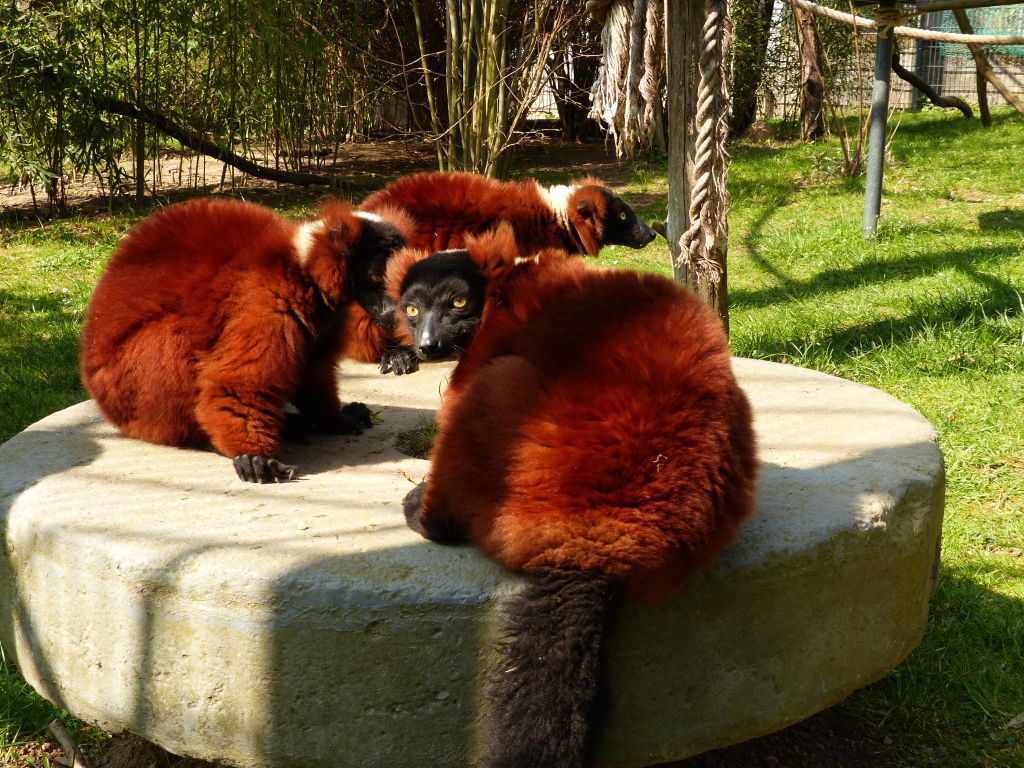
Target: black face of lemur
(623,227)
(442,299)
(378,241)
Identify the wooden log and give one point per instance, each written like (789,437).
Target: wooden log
(981,61)
(948,102)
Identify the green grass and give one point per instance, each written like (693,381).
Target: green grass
(930,311)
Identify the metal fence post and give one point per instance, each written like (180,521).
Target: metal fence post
(877,129)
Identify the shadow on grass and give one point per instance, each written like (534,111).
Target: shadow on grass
(1001,298)
(975,643)
(752,237)
(1003,220)
(38,364)
(867,273)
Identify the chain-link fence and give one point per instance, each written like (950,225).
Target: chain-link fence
(849,63)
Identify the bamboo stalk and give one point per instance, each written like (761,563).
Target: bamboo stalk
(435,122)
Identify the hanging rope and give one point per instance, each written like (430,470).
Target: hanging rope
(627,85)
(708,198)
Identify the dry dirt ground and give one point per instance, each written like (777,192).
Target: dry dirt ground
(835,738)
(360,169)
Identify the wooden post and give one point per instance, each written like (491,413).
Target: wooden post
(684,21)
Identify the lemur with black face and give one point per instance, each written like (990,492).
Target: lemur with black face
(593,437)
(213,313)
(446,208)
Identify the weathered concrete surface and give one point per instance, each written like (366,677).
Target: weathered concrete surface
(146,588)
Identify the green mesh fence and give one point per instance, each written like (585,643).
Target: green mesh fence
(1005,20)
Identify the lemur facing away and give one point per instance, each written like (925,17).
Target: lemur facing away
(213,313)
(446,208)
(592,436)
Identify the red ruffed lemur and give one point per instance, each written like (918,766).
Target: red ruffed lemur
(446,208)
(212,314)
(592,436)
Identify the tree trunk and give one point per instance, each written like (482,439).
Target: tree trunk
(812,94)
(571,91)
(753,25)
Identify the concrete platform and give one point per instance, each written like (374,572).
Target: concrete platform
(146,588)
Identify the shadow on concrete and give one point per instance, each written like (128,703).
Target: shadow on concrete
(367,672)
(326,453)
(967,618)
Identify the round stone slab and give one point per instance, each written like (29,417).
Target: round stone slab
(146,588)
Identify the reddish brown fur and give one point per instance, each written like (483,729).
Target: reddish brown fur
(593,423)
(449,207)
(204,324)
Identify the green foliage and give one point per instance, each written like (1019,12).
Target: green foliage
(294,79)
(494,65)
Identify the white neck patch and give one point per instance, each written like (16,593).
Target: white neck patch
(367,216)
(302,241)
(557,199)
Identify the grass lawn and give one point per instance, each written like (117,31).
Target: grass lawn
(930,311)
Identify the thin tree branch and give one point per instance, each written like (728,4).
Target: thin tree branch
(199,143)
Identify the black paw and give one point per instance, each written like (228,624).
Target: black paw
(353,418)
(412,505)
(263,469)
(360,415)
(399,360)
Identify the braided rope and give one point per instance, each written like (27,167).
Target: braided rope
(919,34)
(708,199)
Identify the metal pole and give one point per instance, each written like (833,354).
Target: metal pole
(876,132)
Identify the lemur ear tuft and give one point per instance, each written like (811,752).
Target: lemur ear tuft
(341,227)
(338,235)
(398,267)
(398,217)
(494,249)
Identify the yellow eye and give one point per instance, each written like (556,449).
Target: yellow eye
(376,278)
(459,303)
(411,311)
(623,215)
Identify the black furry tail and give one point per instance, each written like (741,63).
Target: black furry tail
(543,698)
